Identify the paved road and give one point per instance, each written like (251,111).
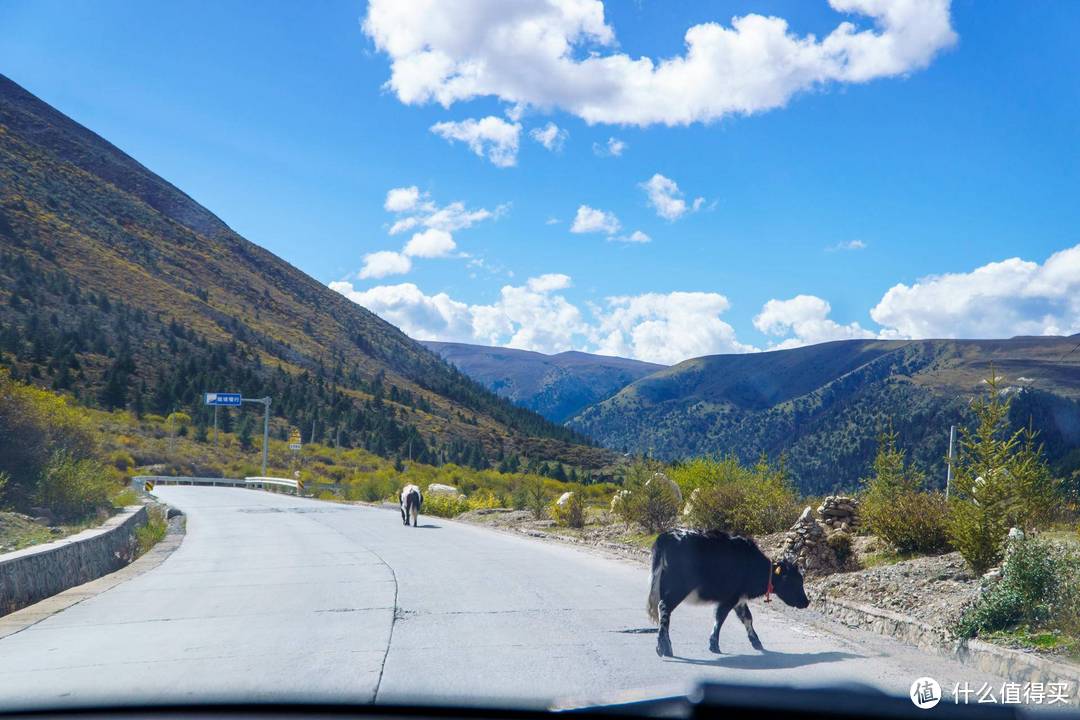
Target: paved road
(273,597)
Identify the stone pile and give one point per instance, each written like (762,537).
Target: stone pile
(806,543)
(839,513)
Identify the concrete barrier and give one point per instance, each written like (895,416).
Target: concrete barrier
(40,571)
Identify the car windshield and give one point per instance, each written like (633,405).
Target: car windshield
(539,354)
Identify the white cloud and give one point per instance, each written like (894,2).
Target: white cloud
(562,54)
(491,135)
(401,199)
(806,317)
(635,237)
(552,221)
(385,262)
(666,328)
(612,148)
(416,209)
(420,316)
(999,299)
(548,282)
(666,197)
(430,243)
(551,136)
(659,327)
(590,220)
(849,245)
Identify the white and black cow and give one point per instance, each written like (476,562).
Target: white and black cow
(411,499)
(713,566)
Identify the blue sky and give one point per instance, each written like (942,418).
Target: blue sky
(951,167)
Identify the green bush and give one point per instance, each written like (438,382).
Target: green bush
(35,425)
(1039,587)
(446,506)
(125,498)
(73,489)
(648,497)
(571,513)
(153,532)
(483,500)
(121,460)
(918,523)
(725,495)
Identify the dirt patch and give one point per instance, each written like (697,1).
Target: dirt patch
(18,531)
(934,590)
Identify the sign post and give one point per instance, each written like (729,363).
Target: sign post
(218,399)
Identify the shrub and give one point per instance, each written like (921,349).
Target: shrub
(153,532)
(725,495)
(121,460)
(483,500)
(371,488)
(446,506)
(73,489)
(571,513)
(918,523)
(125,498)
(649,498)
(35,425)
(1039,586)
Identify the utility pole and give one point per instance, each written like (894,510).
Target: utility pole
(215,426)
(948,474)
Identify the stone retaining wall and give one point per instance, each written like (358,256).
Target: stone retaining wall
(35,573)
(1001,661)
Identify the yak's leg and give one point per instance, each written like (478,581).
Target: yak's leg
(415,514)
(669,600)
(743,611)
(663,639)
(722,611)
(404,515)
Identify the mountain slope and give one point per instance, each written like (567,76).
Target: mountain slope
(118,287)
(822,405)
(556,386)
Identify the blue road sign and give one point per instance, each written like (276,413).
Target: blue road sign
(228,399)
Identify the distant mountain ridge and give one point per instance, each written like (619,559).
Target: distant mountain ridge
(119,288)
(821,406)
(557,386)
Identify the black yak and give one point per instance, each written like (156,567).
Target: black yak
(716,567)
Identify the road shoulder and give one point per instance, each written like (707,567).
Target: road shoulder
(32,614)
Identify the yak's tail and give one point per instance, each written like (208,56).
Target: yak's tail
(658,562)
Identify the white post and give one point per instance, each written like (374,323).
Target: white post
(948,474)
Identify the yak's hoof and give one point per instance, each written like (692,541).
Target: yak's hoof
(714,647)
(664,649)
(757,645)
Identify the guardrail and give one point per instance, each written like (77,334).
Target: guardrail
(256,482)
(261,481)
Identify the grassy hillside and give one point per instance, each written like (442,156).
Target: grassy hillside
(118,288)
(556,386)
(822,406)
